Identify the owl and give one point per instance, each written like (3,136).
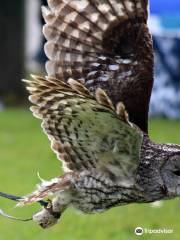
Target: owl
(94,105)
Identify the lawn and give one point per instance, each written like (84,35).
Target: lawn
(24,151)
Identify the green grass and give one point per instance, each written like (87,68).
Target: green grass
(24,151)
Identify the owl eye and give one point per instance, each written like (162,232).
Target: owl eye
(175,162)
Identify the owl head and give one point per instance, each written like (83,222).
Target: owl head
(171,171)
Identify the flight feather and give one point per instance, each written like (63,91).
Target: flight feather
(103,44)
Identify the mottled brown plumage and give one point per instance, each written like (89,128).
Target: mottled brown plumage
(103,44)
(94,109)
(85,132)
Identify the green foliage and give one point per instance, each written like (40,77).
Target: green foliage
(24,151)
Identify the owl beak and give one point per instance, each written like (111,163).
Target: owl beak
(49,208)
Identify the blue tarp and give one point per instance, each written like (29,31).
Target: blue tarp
(168,12)
(165,100)
(165,7)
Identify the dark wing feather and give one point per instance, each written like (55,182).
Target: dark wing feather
(85,132)
(103,44)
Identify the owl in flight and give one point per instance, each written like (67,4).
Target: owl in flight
(94,109)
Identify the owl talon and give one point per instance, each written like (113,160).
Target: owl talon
(49,208)
(49,205)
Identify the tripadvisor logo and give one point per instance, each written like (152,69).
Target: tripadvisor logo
(140,231)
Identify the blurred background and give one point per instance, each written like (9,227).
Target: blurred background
(24,150)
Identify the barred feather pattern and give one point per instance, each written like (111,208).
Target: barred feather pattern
(101,64)
(85,133)
(103,44)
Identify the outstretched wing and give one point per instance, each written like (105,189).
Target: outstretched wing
(86,132)
(103,44)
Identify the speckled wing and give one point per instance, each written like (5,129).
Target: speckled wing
(103,44)
(85,132)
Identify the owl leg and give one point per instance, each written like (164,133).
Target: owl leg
(60,187)
(50,214)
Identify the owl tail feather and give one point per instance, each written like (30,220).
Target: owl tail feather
(47,189)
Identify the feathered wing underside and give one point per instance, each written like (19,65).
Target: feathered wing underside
(85,132)
(103,44)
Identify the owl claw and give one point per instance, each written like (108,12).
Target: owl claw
(49,208)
